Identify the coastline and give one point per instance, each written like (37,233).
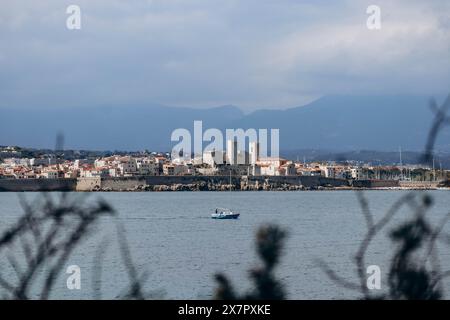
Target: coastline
(211,183)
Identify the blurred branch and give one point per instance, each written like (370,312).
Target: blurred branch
(269,245)
(441,119)
(409,277)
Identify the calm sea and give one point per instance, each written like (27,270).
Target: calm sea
(172,238)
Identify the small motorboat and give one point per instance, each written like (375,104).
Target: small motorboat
(222,213)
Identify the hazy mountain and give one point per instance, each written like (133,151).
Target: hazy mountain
(351,123)
(442,159)
(331,123)
(106,128)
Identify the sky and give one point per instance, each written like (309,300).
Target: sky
(205,53)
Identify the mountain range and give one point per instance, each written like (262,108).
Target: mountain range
(341,123)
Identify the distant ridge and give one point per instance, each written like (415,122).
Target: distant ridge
(332,123)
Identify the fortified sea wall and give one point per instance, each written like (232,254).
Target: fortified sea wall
(162,183)
(213,183)
(189,183)
(419,184)
(375,183)
(18,185)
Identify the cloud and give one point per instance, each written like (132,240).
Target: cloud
(209,52)
(409,55)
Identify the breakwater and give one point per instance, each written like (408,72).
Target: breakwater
(210,183)
(419,185)
(373,184)
(191,183)
(173,183)
(18,185)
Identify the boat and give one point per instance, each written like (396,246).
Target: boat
(223,213)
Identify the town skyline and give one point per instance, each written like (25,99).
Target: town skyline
(134,172)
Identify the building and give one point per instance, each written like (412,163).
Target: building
(327,171)
(175,170)
(358,174)
(232,152)
(146,166)
(213,157)
(243,157)
(254,170)
(50,174)
(288,169)
(45,161)
(275,161)
(254,152)
(269,170)
(127,166)
(94,172)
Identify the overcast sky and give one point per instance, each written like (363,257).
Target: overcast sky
(204,53)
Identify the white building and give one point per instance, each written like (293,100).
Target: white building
(232,152)
(254,152)
(269,170)
(94,173)
(127,165)
(35,162)
(254,170)
(213,157)
(146,166)
(288,169)
(275,161)
(358,174)
(243,157)
(12,162)
(77,164)
(50,174)
(175,170)
(327,171)
(98,163)
(114,172)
